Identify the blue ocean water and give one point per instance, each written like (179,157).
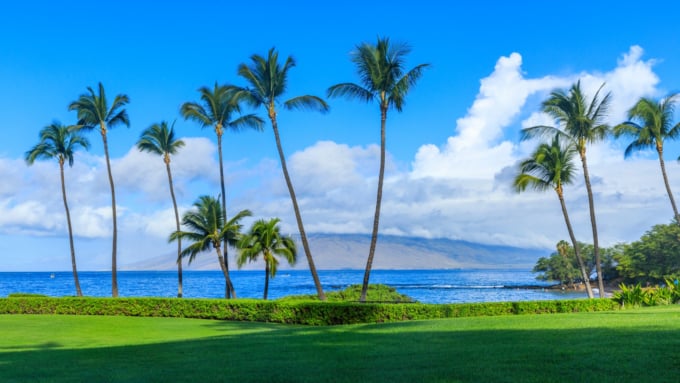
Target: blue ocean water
(426,286)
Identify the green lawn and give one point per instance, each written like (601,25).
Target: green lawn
(641,345)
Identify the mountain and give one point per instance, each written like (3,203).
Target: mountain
(349,251)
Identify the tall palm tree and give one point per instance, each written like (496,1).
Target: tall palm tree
(264,238)
(207,228)
(267,80)
(550,166)
(60,142)
(93,110)
(217,107)
(650,124)
(383,80)
(582,122)
(159,139)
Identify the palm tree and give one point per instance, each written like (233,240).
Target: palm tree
(268,80)
(60,142)
(550,166)
(385,81)
(654,125)
(206,228)
(158,139)
(218,106)
(264,238)
(581,122)
(93,110)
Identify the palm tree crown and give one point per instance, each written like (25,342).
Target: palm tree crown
(207,228)
(159,139)
(550,166)
(268,81)
(94,110)
(57,141)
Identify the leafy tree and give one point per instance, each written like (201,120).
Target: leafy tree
(159,139)
(560,266)
(93,110)
(384,80)
(650,124)
(550,166)
(217,107)
(207,228)
(267,80)
(265,239)
(60,142)
(653,258)
(582,122)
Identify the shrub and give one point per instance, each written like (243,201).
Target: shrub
(292,312)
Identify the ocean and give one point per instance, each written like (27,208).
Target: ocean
(426,286)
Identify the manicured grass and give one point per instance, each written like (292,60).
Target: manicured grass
(641,345)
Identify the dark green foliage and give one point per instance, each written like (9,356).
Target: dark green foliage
(376,293)
(654,258)
(292,312)
(25,295)
(562,266)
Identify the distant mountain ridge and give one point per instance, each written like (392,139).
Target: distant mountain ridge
(349,251)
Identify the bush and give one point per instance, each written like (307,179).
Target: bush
(650,296)
(376,293)
(292,312)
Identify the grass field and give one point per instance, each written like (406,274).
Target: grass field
(641,345)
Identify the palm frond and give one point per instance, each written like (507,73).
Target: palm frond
(307,102)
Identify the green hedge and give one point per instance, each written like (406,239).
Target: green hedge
(295,312)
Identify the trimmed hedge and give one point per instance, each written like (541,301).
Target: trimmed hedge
(295,312)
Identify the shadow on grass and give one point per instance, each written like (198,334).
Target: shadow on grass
(400,352)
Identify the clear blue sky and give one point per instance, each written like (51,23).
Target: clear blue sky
(492,64)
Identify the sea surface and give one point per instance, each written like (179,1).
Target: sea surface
(426,286)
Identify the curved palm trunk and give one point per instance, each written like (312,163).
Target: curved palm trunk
(70,230)
(598,267)
(298,217)
(225,272)
(229,291)
(659,149)
(266,279)
(179,239)
(114,247)
(577,251)
(378,202)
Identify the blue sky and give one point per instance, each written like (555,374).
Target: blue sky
(452,150)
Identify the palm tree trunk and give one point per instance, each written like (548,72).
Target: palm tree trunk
(659,149)
(376,218)
(266,279)
(577,251)
(225,272)
(70,230)
(179,239)
(298,217)
(114,247)
(229,291)
(591,204)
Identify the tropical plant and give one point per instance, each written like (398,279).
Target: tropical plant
(206,228)
(581,122)
(159,139)
(217,107)
(60,142)
(93,110)
(550,166)
(650,124)
(385,81)
(267,80)
(265,239)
